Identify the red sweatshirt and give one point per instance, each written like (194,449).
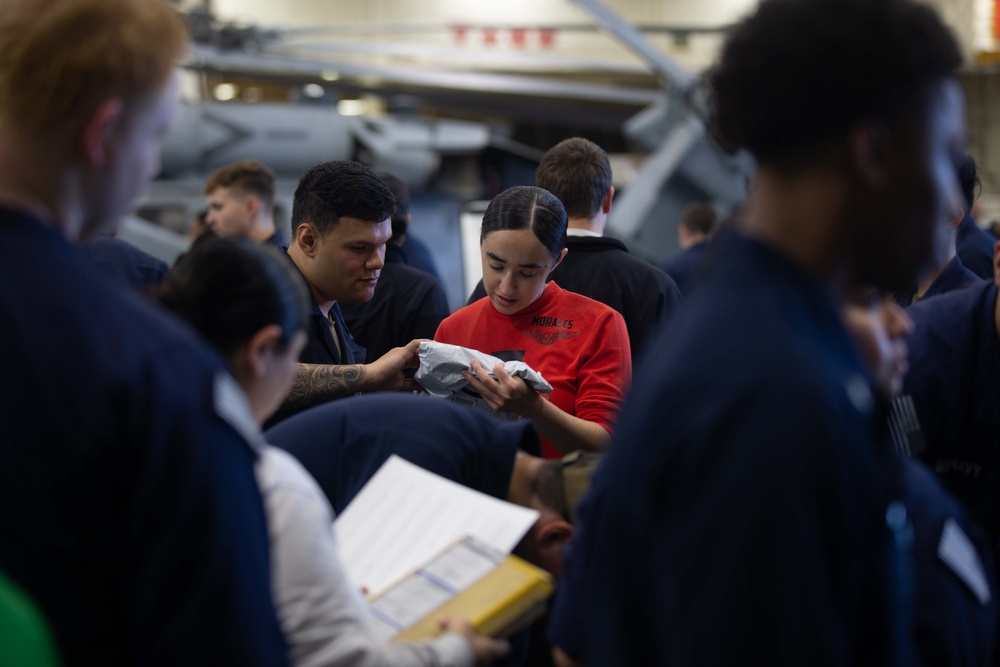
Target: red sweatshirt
(579,345)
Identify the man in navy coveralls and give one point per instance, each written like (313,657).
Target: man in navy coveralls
(408,303)
(745,513)
(340,226)
(130,511)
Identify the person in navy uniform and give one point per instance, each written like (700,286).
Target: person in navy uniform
(340,226)
(408,303)
(947,414)
(124,263)
(131,514)
(954,595)
(694,231)
(745,512)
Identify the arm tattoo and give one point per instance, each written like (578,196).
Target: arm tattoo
(316,383)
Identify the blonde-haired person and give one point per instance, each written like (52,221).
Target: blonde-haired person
(132,516)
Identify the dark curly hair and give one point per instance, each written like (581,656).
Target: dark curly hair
(797,73)
(341,189)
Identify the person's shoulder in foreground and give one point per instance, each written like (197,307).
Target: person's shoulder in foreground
(124,263)
(343,444)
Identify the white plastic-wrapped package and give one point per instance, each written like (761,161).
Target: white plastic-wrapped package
(441,367)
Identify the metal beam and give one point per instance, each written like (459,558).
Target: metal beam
(672,74)
(483,82)
(632,209)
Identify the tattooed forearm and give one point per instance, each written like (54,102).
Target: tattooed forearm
(315,383)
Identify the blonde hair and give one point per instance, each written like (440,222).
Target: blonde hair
(62,58)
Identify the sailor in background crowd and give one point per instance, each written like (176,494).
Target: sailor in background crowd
(240,201)
(696,228)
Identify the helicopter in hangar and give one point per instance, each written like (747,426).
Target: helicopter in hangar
(654,103)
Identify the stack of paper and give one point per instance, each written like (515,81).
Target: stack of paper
(425,548)
(405,515)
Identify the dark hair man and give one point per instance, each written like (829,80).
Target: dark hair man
(132,515)
(696,227)
(340,226)
(749,483)
(578,172)
(240,200)
(408,303)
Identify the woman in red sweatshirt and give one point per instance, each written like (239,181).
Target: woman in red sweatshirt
(579,345)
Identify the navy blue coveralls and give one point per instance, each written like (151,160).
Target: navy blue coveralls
(951,395)
(130,510)
(740,515)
